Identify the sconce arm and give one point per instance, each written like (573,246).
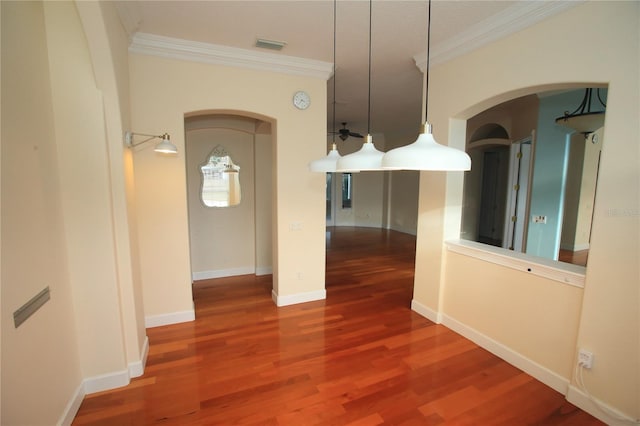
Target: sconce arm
(128,138)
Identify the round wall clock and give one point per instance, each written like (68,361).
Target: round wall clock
(301,100)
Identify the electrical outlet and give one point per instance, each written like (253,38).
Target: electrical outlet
(539,219)
(585,358)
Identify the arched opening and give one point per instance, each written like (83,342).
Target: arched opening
(489,131)
(237,239)
(532,186)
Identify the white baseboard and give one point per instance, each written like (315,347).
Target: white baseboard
(264,270)
(220,273)
(136,369)
(298,298)
(106,381)
(411,231)
(541,373)
(168,319)
(426,312)
(102,383)
(613,417)
(72,407)
(578,247)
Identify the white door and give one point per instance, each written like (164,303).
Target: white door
(516,220)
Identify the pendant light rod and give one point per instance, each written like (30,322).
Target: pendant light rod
(426,106)
(600,99)
(333,124)
(328,164)
(368,158)
(426,153)
(369,94)
(586,103)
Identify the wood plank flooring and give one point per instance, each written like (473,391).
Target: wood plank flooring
(576,257)
(360,357)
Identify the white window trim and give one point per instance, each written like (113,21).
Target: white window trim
(565,273)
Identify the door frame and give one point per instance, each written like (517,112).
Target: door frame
(519,194)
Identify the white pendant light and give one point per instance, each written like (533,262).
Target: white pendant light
(368,158)
(328,164)
(425,153)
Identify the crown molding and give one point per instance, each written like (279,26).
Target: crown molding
(186,50)
(507,22)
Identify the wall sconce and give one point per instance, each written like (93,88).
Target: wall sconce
(165,146)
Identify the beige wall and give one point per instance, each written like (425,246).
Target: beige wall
(108,44)
(66,206)
(402,201)
(575,165)
(401,197)
(588,185)
(40,362)
(85,202)
(162,92)
(547,312)
(107,47)
(368,199)
(607,323)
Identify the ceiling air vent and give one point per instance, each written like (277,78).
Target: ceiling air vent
(270,44)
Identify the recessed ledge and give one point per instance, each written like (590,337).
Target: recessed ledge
(489,142)
(565,273)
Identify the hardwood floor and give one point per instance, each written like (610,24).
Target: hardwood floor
(575,257)
(360,357)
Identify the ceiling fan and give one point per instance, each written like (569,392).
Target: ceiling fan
(344,133)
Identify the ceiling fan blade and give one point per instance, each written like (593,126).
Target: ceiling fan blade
(345,133)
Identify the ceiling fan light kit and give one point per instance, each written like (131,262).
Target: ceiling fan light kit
(583,120)
(345,133)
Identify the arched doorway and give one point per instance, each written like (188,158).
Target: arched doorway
(234,239)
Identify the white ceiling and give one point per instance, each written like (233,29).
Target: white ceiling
(398,28)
